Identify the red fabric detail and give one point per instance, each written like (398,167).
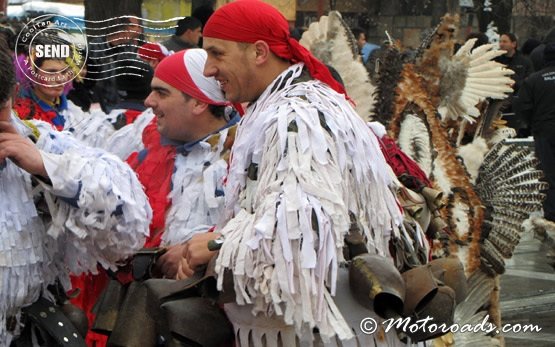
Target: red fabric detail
(172,71)
(151,51)
(400,162)
(90,286)
(26,108)
(239,108)
(155,173)
(253,20)
(124,276)
(131,116)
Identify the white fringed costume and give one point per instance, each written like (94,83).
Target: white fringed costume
(97,213)
(302,160)
(196,192)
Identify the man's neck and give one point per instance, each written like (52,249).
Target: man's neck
(271,72)
(52,101)
(209,127)
(184,40)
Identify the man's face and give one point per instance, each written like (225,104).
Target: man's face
(174,114)
(506,44)
(134,29)
(51,77)
(232,65)
(361,40)
(193,36)
(126,34)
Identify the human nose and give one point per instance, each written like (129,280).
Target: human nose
(209,69)
(149,101)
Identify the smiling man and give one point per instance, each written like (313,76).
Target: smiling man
(305,169)
(181,166)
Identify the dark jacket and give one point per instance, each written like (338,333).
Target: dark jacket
(535,101)
(520,64)
(537,54)
(176,44)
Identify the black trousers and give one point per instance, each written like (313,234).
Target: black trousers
(545,151)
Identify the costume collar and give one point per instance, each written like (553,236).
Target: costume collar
(187,147)
(59,106)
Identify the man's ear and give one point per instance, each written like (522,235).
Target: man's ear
(262,50)
(199,107)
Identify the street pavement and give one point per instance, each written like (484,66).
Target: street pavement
(528,291)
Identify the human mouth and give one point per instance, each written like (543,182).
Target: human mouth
(223,84)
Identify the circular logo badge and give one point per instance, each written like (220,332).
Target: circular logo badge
(55,48)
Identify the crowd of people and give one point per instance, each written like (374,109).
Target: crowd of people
(236,161)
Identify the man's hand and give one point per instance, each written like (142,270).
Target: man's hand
(196,250)
(169,262)
(22,151)
(184,271)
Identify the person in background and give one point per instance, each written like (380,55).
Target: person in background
(43,93)
(529,45)
(366,48)
(110,55)
(82,93)
(153,53)
(522,67)
(537,54)
(481,39)
(187,35)
(536,107)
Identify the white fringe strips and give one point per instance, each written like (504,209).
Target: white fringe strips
(316,162)
(195,205)
(110,223)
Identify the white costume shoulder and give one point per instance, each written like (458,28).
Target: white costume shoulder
(302,162)
(99,215)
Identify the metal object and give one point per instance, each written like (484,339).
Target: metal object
(450,271)
(420,289)
(376,284)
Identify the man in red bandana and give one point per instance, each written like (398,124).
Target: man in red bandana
(304,169)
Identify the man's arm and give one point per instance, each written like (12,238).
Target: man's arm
(105,214)
(20,150)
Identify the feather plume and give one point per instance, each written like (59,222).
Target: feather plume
(331,41)
(389,74)
(414,140)
(471,77)
(508,184)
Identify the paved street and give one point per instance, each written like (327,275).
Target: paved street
(528,293)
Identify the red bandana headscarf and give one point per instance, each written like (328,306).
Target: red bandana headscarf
(153,51)
(183,71)
(252,20)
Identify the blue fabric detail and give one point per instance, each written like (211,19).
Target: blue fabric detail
(142,155)
(366,50)
(73,201)
(118,211)
(59,120)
